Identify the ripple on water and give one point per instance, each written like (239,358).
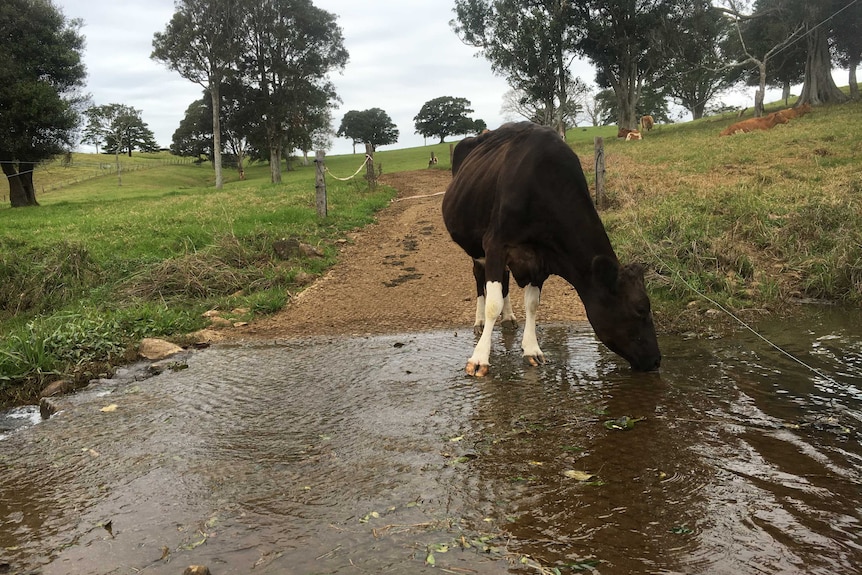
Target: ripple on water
(328,454)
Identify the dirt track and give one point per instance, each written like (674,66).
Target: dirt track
(401,274)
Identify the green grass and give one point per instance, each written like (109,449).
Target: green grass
(753,221)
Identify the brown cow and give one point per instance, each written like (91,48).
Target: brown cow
(796,112)
(633,135)
(752,124)
(623,132)
(647,123)
(519,203)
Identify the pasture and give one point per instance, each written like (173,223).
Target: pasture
(754,221)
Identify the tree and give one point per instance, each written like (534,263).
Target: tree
(531,43)
(817,19)
(194,138)
(40,74)
(372,126)
(848,43)
(121,129)
(445,116)
(773,35)
(200,43)
(290,46)
(696,51)
(626,41)
(520,103)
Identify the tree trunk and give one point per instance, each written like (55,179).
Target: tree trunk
(625,89)
(854,86)
(215,89)
(21,191)
(819,87)
(760,93)
(275,163)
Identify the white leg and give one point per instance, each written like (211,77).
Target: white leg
(529,343)
(480,315)
(478,363)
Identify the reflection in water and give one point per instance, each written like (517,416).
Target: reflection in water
(378,454)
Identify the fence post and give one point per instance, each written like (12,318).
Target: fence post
(600,170)
(451,153)
(369,166)
(320,184)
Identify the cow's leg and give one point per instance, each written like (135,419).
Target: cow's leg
(479,274)
(530,343)
(478,364)
(508,315)
(507,319)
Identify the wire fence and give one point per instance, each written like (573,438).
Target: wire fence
(88,170)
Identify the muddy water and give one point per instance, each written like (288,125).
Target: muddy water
(378,455)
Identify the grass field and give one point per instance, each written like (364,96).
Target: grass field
(753,221)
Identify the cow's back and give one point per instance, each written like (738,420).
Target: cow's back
(518,173)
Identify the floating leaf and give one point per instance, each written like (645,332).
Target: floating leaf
(455,439)
(109,408)
(681,530)
(429,559)
(622,423)
(535,463)
(579,475)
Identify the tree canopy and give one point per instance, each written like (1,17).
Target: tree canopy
(446,116)
(120,128)
(200,43)
(372,126)
(532,43)
(279,52)
(40,74)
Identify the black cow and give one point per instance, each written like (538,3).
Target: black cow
(519,202)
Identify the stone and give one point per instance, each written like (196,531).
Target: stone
(58,387)
(156,349)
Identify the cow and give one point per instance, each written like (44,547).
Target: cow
(623,132)
(519,204)
(647,123)
(633,135)
(752,124)
(791,113)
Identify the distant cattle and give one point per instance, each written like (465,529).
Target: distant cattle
(766,122)
(623,132)
(519,203)
(633,135)
(754,124)
(796,112)
(647,123)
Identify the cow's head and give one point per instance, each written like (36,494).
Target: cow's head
(619,310)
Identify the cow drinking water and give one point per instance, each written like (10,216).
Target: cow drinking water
(519,202)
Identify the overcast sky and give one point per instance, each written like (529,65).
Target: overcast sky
(402,54)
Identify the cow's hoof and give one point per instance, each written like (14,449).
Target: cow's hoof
(476,369)
(509,324)
(478,328)
(535,360)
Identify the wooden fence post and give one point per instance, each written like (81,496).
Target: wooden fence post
(320,183)
(600,170)
(369,167)
(451,153)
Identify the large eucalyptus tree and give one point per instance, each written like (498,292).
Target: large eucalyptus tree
(201,43)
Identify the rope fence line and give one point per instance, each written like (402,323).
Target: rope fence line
(364,163)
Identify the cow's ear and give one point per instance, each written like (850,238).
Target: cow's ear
(606,271)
